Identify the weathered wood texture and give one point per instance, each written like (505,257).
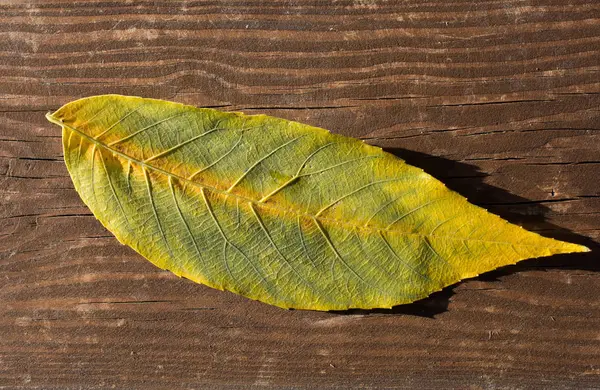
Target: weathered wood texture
(498,98)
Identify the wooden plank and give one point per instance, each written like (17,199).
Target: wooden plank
(499,99)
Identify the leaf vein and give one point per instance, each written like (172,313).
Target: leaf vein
(341,259)
(354,192)
(228,242)
(114,192)
(263,158)
(144,129)
(268,235)
(173,148)
(400,260)
(413,210)
(119,121)
(217,160)
(337,165)
(187,227)
(155,212)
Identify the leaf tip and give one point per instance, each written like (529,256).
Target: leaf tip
(567,247)
(583,248)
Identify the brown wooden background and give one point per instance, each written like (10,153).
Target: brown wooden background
(498,98)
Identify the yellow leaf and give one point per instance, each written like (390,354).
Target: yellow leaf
(276,210)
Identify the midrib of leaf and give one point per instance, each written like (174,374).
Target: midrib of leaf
(316,217)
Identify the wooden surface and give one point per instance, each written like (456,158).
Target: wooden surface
(498,98)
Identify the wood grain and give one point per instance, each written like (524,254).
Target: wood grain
(500,99)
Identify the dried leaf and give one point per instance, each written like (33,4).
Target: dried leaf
(276,210)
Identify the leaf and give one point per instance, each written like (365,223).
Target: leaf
(278,211)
